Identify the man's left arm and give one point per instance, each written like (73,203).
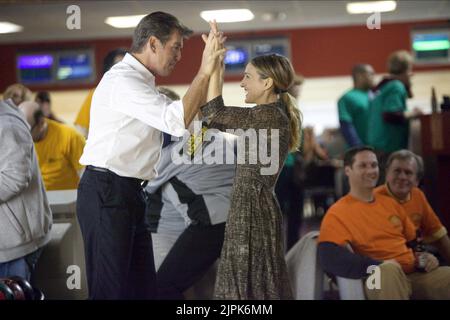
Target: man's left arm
(395,109)
(443,245)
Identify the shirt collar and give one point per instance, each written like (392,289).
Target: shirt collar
(139,67)
(393,195)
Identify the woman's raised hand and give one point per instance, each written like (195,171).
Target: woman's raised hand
(214,52)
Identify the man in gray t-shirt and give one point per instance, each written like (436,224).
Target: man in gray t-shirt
(188,206)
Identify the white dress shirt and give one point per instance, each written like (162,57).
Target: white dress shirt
(127,117)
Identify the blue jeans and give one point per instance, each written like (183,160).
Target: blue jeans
(22,267)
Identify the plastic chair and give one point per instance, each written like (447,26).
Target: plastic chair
(350,289)
(305,274)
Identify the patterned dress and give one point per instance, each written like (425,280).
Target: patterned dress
(252,264)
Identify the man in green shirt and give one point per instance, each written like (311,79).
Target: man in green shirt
(353,106)
(388,117)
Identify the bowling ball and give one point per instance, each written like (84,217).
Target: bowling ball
(6,291)
(16,289)
(26,287)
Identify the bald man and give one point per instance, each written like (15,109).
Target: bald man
(58,146)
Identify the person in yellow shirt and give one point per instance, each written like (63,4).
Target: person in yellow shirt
(83,118)
(404,170)
(58,147)
(45,104)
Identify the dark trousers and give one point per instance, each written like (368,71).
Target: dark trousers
(194,252)
(117,240)
(290,196)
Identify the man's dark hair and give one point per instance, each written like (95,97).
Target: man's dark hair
(359,68)
(108,61)
(349,156)
(42,96)
(157,24)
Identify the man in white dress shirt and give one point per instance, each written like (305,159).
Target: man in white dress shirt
(128,116)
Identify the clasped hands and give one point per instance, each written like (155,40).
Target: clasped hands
(214,52)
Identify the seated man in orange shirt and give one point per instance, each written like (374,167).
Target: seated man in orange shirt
(404,170)
(380,234)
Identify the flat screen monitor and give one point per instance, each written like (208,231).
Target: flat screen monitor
(268,48)
(35,68)
(57,67)
(236,58)
(74,66)
(431,46)
(240,52)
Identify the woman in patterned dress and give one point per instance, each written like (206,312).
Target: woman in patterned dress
(252,264)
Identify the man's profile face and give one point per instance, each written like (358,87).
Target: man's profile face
(363,173)
(369,77)
(168,54)
(401,177)
(406,76)
(45,107)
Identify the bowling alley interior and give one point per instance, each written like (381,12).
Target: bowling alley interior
(94,97)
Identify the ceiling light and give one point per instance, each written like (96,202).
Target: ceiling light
(371,6)
(124,21)
(229,15)
(8,27)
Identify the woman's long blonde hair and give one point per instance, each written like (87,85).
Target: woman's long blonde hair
(280,69)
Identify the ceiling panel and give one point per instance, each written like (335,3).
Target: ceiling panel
(46,20)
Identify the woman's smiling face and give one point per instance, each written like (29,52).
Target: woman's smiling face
(253,85)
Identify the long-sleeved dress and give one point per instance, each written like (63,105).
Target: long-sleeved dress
(252,264)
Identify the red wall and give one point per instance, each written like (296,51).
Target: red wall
(315,52)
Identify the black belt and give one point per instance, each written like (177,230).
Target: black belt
(98,169)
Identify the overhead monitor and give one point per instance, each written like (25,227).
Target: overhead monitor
(431,46)
(74,66)
(236,58)
(241,51)
(35,68)
(268,48)
(56,67)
